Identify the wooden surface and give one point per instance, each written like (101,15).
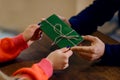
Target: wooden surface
(79,69)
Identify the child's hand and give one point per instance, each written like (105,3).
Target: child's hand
(60,58)
(32,32)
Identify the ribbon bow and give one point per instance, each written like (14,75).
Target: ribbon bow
(61,35)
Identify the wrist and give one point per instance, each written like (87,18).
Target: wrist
(19,41)
(46,65)
(50,61)
(25,37)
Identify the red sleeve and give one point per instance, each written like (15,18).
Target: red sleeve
(10,48)
(40,71)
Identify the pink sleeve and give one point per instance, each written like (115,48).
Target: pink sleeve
(46,66)
(40,71)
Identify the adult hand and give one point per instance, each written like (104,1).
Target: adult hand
(64,19)
(92,52)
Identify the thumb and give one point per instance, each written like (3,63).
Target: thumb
(42,19)
(75,48)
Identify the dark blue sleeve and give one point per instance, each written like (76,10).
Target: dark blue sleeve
(93,16)
(111,55)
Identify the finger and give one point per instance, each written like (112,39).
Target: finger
(38,30)
(89,38)
(34,26)
(37,26)
(37,34)
(84,56)
(87,56)
(64,49)
(30,42)
(42,19)
(86,49)
(64,19)
(65,66)
(69,53)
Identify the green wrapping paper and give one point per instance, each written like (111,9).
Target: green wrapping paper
(59,32)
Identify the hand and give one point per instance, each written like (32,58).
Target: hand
(92,52)
(64,19)
(32,32)
(60,58)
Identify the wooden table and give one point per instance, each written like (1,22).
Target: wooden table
(79,69)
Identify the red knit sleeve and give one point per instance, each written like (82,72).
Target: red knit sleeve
(36,72)
(10,48)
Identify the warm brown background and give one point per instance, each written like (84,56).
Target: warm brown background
(17,14)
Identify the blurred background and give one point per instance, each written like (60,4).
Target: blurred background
(16,15)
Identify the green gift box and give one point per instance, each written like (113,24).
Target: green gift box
(59,32)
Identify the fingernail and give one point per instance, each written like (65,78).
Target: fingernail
(68,46)
(39,23)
